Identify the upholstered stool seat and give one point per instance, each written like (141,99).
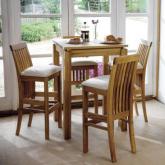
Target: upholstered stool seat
(100,82)
(41,71)
(139,68)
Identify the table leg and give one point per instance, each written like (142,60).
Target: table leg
(105,64)
(55,62)
(55,56)
(105,72)
(67,96)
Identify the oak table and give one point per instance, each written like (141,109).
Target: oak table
(67,51)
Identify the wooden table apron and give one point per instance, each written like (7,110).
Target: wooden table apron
(69,52)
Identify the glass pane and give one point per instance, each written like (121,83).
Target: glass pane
(40,6)
(39,32)
(92,6)
(136,29)
(103,23)
(42,61)
(136,6)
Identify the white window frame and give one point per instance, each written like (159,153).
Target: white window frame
(10,28)
(73,15)
(6,100)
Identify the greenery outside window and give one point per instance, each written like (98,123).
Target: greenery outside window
(40,23)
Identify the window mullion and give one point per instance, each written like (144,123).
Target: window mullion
(120,25)
(71,16)
(65,17)
(114,17)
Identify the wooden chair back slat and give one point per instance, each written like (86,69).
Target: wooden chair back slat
(21,57)
(143,51)
(120,93)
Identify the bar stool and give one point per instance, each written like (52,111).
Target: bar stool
(27,75)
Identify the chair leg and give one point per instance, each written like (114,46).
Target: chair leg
(144,103)
(55,89)
(20,110)
(19,121)
(55,115)
(104,106)
(46,109)
(123,125)
(59,100)
(96,103)
(131,135)
(30,119)
(85,119)
(95,95)
(136,109)
(111,141)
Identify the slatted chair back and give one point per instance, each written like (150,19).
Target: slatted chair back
(82,73)
(79,75)
(121,86)
(23,61)
(143,51)
(21,57)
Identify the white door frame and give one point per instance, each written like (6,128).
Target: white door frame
(11,34)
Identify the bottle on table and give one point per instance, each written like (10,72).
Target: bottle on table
(85,33)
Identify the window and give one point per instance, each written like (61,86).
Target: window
(96,14)
(2,91)
(40,22)
(136,22)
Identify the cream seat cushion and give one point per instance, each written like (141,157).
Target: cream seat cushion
(83,63)
(41,71)
(100,82)
(139,66)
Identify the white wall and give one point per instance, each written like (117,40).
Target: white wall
(162,55)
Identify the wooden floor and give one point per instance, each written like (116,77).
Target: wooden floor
(31,148)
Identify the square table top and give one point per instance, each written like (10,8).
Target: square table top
(65,45)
